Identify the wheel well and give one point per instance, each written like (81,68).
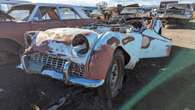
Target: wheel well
(8,43)
(126,55)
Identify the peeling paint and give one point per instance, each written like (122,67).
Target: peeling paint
(113,41)
(127,40)
(100,62)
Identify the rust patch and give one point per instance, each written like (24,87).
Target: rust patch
(113,41)
(66,39)
(43,48)
(168,50)
(86,33)
(127,40)
(61,38)
(115,29)
(146,40)
(99,63)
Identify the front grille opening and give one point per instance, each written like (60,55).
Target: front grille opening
(50,62)
(57,64)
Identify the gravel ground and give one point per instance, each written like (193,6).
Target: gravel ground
(177,93)
(21,91)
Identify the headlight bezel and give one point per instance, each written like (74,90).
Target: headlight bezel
(80,45)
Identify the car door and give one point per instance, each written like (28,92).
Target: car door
(154,45)
(46,17)
(132,45)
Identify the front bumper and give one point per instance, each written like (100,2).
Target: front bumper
(73,79)
(37,68)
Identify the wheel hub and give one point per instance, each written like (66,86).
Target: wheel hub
(114,78)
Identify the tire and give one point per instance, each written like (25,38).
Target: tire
(114,79)
(8,52)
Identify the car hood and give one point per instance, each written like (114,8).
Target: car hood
(59,41)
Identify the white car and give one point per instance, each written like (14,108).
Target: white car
(93,56)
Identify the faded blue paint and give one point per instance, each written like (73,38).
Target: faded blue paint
(73,79)
(86,82)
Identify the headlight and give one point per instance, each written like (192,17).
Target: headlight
(29,38)
(80,45)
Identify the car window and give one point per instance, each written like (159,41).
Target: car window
(46,13)
(5,7)
(67,13)
(21,13)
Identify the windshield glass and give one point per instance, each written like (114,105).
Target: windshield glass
(21,13)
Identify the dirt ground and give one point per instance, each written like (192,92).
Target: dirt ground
(21,91)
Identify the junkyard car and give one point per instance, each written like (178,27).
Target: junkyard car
(164,4)
(34,16)
(93,56)
(177,14)
(134,12)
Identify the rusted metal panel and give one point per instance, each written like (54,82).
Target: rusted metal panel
(14,31)
(100,62)
(127,40)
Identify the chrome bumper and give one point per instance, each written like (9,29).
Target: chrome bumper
(73,79)
(66,77)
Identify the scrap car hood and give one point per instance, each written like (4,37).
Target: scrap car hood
(59,41)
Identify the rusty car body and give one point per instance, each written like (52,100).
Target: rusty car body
(88,55)
(131,13)
(35,17)
(164,3)
(134,12)
(177,14)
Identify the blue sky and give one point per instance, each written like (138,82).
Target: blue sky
(93,2)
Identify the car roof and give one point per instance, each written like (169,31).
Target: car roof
(13,2)
(76,8)
(47,4)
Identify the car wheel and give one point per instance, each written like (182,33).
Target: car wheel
(8,53)
(7,58)
(115,75)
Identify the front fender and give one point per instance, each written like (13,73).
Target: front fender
(102,54)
